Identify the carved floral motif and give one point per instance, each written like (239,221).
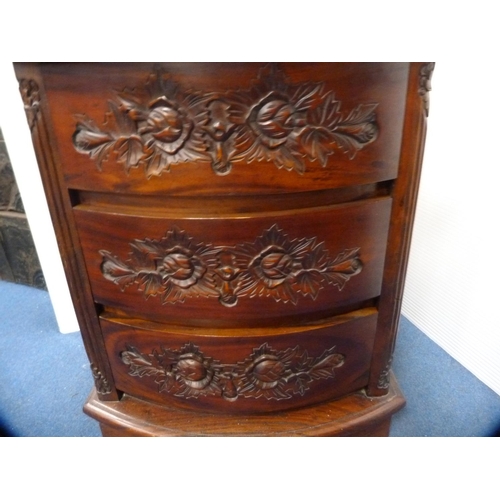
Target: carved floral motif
(267,373)
(163,125)
(274,265)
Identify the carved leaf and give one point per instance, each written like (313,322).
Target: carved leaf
(156,163)
(172,294)
(347,143)
(305,361)
(346,256)
(85,123)
(116,271)
(124,124)
(285,158)
(284,292)
(338,279)
(309,283)
(276,393)
(131,106)
(305,96)
(357,130)
(326,363)
(317,258)
(300,248)
(302,383)
(165,383)
(346,265)
(363,113)
(150,284)
(90,140)
(145,253)
(130,151)
(140,366)
(327,114)
(317,144)
(292,355)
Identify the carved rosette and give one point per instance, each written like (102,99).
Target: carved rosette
(162,125)
(275,266)
(30,94)
(267,373)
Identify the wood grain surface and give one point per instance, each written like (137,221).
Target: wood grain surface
(235,237)
(241,370)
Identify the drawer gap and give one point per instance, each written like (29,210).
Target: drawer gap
(224,205)
(332,315)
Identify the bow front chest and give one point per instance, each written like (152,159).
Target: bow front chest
(235,237)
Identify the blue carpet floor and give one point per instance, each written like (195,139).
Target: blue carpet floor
(45,379)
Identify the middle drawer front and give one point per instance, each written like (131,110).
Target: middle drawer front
(236,270)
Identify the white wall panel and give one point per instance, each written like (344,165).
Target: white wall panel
(18,141)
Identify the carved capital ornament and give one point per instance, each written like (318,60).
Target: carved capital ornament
(425,84)
(30,94)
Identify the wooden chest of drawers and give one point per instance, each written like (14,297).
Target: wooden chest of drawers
(235,237)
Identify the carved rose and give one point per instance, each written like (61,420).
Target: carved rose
(274,265)
(181,267)
(168,125)
(267,371)
(193,372)
(274,118)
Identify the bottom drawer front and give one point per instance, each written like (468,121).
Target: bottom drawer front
(253,370)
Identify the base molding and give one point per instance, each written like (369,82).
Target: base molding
(353,415)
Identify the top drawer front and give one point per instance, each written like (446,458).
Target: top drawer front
(226,128)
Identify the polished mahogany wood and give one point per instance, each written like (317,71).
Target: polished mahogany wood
(245,370)
(342,247)
(363,104)
(405,193)
(235,236)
